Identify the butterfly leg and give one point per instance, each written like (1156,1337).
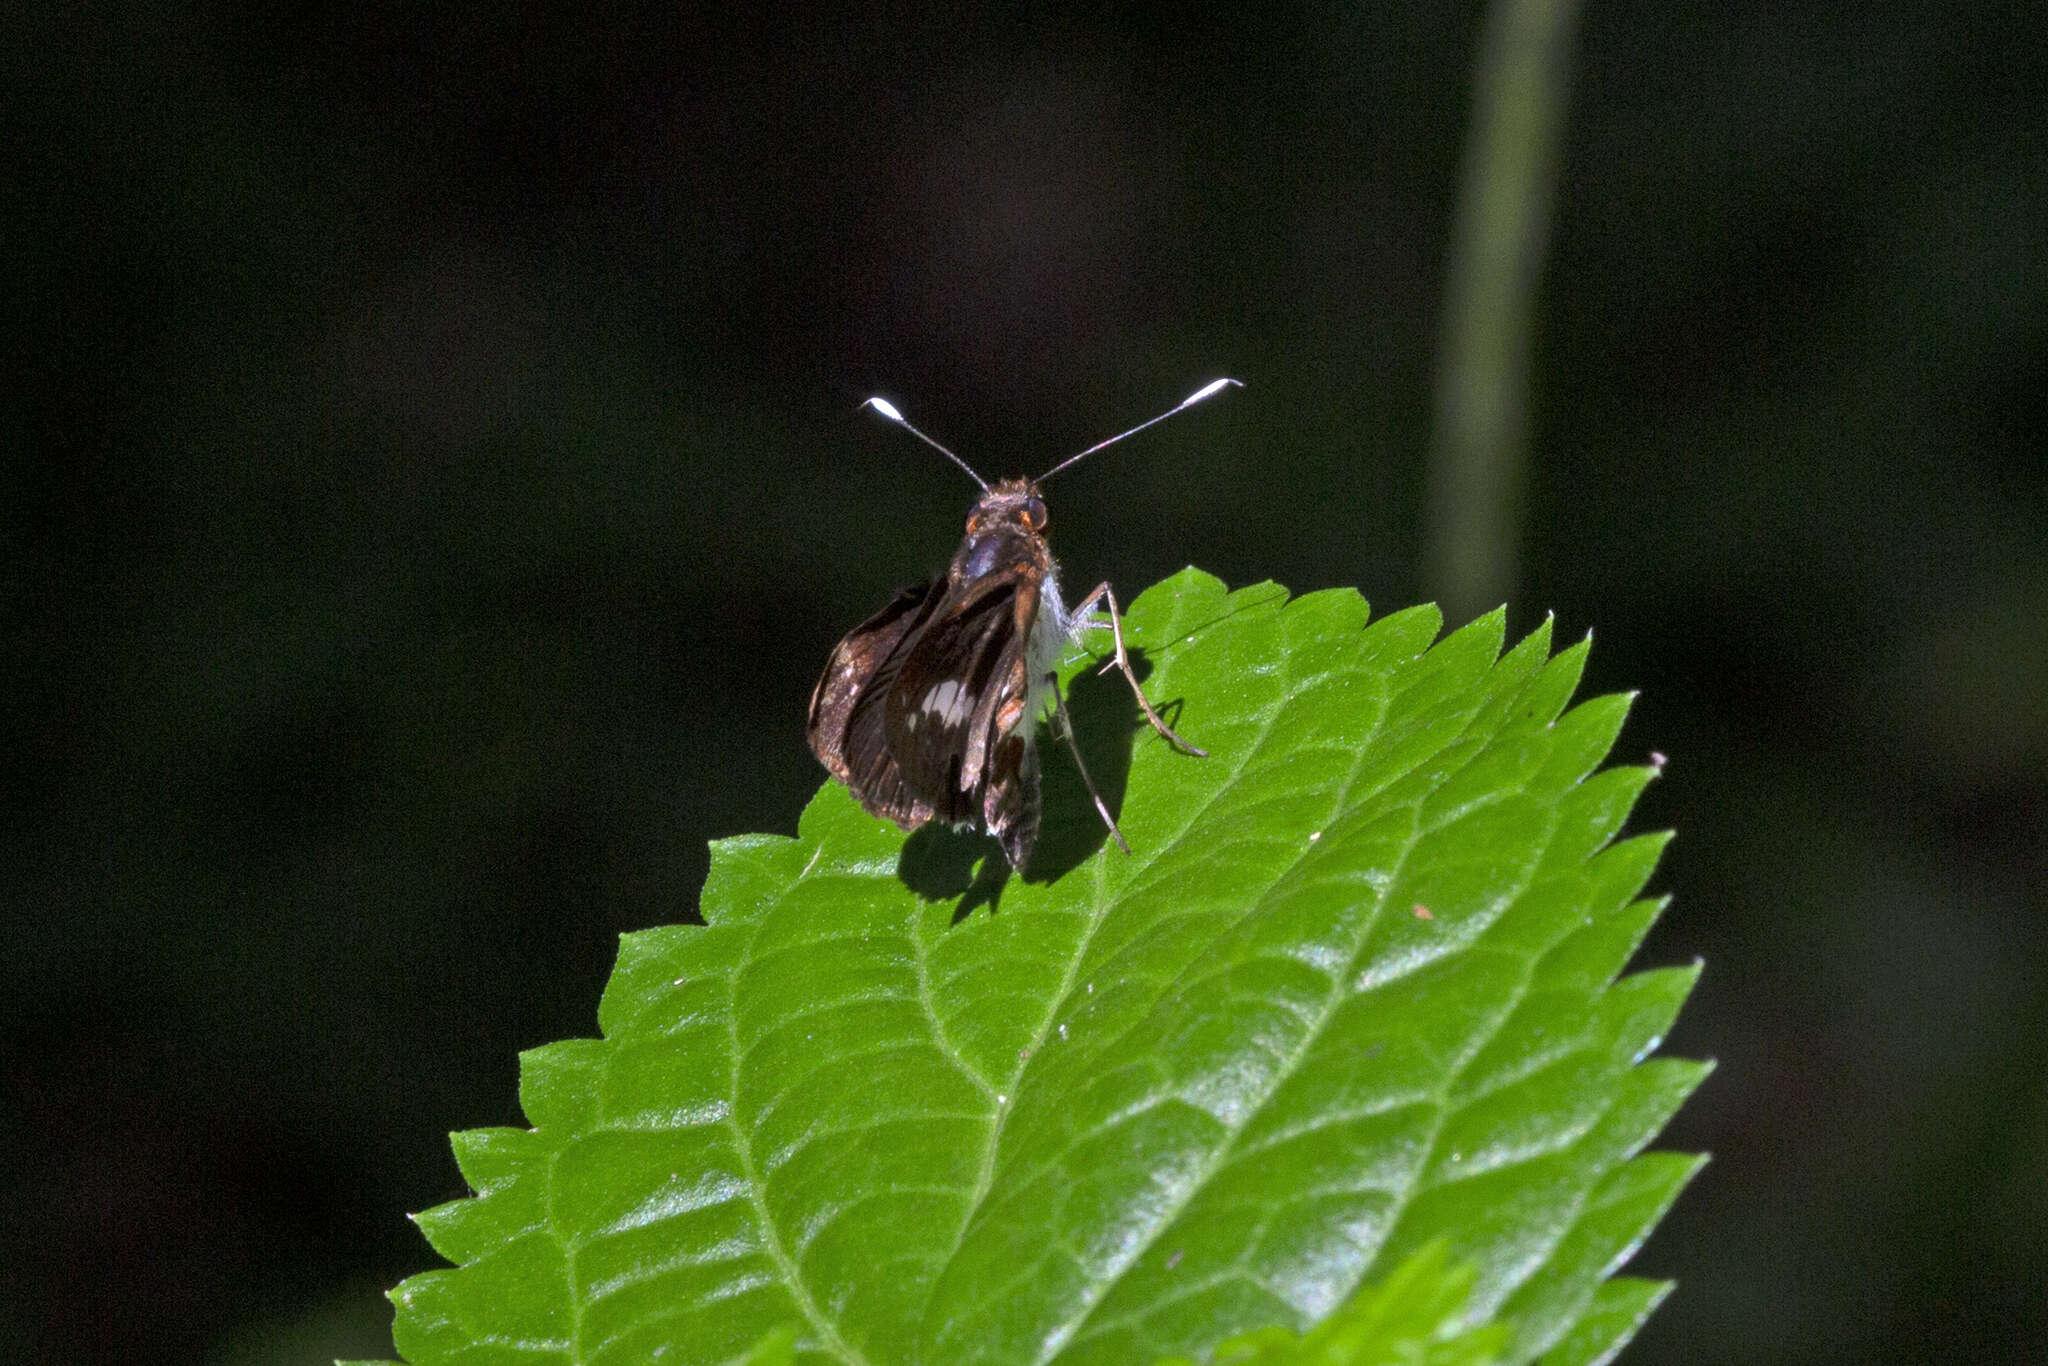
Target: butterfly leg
(1122,661)
(1065,724)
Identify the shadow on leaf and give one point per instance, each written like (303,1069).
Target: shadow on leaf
(1107,727)
(940,863)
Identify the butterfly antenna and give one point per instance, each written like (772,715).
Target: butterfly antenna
(888,410)
(1214,386)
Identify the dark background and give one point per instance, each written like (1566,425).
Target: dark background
(434,481)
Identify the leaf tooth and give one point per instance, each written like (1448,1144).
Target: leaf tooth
(1544,699)
(1584,735)
(1401,637)
(1613,1314)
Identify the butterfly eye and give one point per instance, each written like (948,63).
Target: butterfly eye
(1034,511)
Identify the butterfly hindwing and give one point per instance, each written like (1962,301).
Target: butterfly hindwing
(1010,801)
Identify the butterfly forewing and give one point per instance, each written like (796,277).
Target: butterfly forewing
(943,706)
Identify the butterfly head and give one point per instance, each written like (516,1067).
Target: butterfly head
(1005,535)
(1008,505)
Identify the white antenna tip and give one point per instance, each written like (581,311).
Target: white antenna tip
(885,408)
(1196,397)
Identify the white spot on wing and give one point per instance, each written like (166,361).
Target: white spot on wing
(948,701)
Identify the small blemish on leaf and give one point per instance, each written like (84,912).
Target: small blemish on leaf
(1173,1257)
(1422,912)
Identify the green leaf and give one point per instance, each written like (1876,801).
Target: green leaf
(1415,1317)
(1353,992)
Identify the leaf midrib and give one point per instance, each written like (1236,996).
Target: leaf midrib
(1097,913)
(1290,689)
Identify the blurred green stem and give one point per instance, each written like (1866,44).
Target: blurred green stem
(1504,200)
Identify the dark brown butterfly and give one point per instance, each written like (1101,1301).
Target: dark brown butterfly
(929,709)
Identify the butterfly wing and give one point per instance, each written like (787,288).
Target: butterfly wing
(957,713)
(847,729)
(938,709)
(1009,803)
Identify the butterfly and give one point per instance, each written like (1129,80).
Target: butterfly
(929,709)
